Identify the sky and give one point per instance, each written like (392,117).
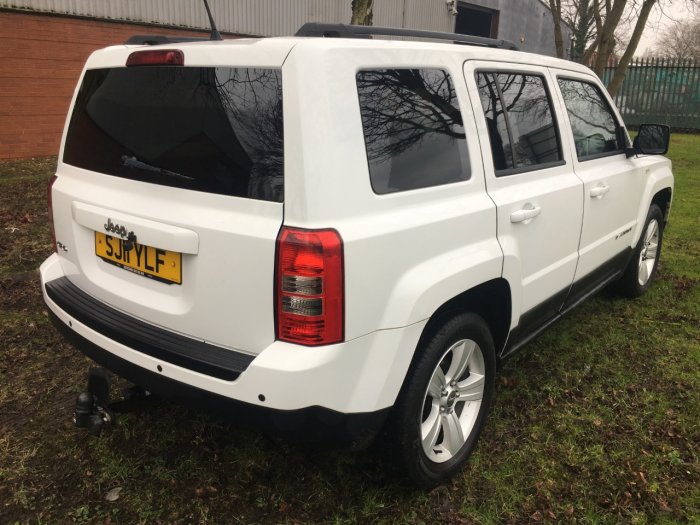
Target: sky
(677,10)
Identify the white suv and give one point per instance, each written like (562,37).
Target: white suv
(330,231)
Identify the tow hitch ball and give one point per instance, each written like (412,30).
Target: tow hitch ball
(92,406)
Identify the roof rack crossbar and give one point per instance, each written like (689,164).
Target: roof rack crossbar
(352,31)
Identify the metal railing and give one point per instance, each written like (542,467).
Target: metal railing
(661,91)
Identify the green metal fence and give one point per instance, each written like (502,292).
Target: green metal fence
(660,91)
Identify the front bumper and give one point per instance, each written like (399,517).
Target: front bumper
(359,378)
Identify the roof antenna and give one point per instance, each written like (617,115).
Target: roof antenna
(215,35)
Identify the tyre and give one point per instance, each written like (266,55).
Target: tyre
(641,269)
(445,400)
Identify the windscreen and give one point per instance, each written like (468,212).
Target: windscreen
(210,129)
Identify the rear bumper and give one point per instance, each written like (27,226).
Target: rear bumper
(358,377)
(312,425)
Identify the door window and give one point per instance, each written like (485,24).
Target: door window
(593,122)
(520,121)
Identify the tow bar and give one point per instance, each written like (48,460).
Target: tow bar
(93,409)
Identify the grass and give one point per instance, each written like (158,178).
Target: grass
(596,421)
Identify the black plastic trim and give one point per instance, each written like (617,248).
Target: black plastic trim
(597,279)
(537,319)
(530,168)
(145,338)
(312,426)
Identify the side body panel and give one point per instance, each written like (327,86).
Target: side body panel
(406,253)
(540,254)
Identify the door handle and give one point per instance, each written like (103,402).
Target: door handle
(525,214)
(599,191)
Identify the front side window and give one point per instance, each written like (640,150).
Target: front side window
(209,129)
(414,135)
(519,120)
(593,123)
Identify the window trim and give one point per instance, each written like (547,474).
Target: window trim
(618,125)
(555,120)
(529,168)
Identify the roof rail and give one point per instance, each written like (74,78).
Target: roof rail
(154,40)
(352,31)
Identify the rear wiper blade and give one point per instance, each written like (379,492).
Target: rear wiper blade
(133,162)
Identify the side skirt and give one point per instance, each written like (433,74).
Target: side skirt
(579,291)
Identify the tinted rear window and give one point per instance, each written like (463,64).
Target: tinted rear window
(217,130)
(413,129)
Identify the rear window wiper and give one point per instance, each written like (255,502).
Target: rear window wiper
(133,162)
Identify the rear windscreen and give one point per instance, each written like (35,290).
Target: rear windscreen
(217,130)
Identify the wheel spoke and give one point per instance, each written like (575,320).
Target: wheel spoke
(472,388)
(453,435)
(651,250)
(651,231)
(430,429)
(437,383)
(643,272)
(461,355)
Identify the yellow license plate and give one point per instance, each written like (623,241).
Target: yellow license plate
(154,263)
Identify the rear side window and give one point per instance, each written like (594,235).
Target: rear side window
(592,120)
(520,122)
(413,129)
(216,130)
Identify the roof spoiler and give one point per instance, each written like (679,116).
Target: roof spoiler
(155,40)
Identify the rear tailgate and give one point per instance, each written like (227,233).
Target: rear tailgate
(169,195)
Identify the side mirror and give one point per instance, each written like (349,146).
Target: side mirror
(652,139)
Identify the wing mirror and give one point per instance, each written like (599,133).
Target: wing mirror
(652,139)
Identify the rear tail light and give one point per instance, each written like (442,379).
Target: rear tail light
(159,57)
(49,202)
(309,287)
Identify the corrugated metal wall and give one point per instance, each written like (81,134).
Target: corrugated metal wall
(431,15)
(253,17)
(527,23)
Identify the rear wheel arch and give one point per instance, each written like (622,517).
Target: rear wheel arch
(445,401)
(490,300)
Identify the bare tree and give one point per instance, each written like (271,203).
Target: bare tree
(681,40)
(555,7)
(579,15)
(623,64)
(361,12)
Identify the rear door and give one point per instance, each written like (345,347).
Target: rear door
(530,178)
(169,195)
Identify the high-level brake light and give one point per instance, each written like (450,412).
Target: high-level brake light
(309,287)
(156,57)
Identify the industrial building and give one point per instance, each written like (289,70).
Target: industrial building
(44,43)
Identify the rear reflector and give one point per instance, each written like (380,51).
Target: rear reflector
(160,57)
(309,293)
(49,203)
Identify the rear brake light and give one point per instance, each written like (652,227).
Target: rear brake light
(309,293)
(160,57)
(49,202)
